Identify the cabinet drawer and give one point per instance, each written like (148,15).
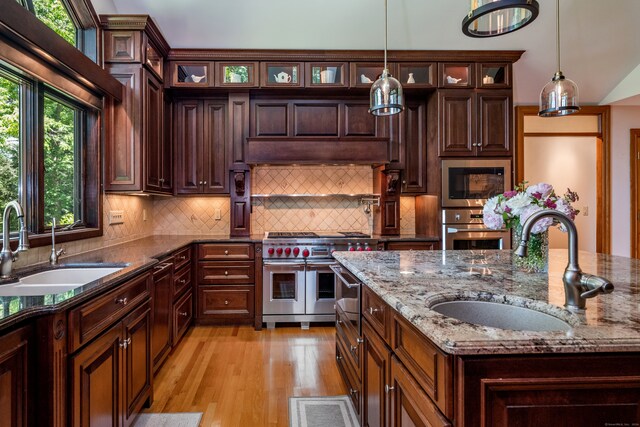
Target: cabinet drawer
(350,341)
(430,367)
(181,281)
(225,273)
(181,258)
(88,320)
(376,311)
(353,384)
(182,316)
(227,251)
(225,302)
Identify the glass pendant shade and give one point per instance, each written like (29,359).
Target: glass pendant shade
(559,97)
(490,18)
(386,96)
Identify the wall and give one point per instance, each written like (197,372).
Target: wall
(191,215)
(623,118)
(134,227)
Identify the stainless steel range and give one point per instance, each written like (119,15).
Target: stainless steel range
(298,283)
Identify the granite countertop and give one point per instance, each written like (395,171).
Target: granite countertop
(412,281)
(135,257)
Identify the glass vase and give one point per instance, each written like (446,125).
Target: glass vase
(537,259)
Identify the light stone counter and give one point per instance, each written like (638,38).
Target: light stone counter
(412,281)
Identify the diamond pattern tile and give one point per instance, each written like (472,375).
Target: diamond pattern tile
(191,215)
(407,215)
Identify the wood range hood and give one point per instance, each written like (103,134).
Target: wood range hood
(316,131)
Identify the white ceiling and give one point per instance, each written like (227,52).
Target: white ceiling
(600,40)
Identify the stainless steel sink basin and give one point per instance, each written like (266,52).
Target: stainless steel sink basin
(503,316)
(55,281)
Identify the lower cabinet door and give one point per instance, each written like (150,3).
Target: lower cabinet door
(182,316)
(225,303)
(410,405)
(375,380)
(95,381)
(14,389)
(136,376)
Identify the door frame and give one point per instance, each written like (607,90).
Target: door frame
(634,199)
(603,163)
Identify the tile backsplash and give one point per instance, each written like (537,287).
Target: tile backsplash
(310,213)
(191,215)
(407,215)
(134,227)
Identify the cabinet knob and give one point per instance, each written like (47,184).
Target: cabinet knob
(338,322)
(204,183)
(387,389)
(373,310)
(353,348)
(226,273)
(353,391)
(338,358)
(183,257)
(226,252)
(123,301)
(125,343)
(200,183)
(183,313)
(359,340)
(183,281)
(226,302)
(161,180)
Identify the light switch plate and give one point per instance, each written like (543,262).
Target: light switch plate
(116,217)
(216,214)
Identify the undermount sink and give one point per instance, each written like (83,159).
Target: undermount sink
(503,316)
(55,281)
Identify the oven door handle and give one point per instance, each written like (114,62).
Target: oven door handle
(337,269)
(293,265)
(452,230)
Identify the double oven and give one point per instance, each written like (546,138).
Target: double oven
(466,185)
(300,283)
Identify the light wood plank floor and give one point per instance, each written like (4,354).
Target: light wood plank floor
(239,377)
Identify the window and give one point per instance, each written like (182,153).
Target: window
(49,148)
(55,15)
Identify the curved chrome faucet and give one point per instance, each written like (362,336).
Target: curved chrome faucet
(578,286)
(55,254)
(7,256)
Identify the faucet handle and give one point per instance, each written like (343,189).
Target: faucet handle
(596,285)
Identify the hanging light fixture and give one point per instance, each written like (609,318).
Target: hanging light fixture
(386,96)
(489,18)
(559,97)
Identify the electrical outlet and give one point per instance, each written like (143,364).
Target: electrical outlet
(116,217)
(216,214)
(585,210)
(144,214)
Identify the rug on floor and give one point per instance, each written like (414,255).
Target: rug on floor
(334,411)
(185,419)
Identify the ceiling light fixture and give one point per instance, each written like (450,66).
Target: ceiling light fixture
(490,18)
(559,97)
(386,96)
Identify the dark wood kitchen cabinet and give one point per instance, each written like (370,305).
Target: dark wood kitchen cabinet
(413,133)
(200,147)
(16,394)
(474,122)
(138,156)
(162,303)
(182,294)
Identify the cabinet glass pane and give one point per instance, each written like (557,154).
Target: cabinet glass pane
(283,74)
(192,73)
(454,74)
(368,75)
(237,73)
(154,60)
(493,75)
(326,75)
(415,75)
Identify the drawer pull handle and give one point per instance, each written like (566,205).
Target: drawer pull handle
(226,252)
(125,343)
(373,310)
(388,389)
(338,322)
(359,340)
(226,302)
(353,391)
(338,358)
(183,313)
(183,257)
(226,273)
(353,348)
(183,281)
(123,301)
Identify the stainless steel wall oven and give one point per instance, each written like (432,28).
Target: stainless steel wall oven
(470,182)
(464,229)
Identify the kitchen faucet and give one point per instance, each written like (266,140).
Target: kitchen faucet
(578,286)
(7,256)
(55,254)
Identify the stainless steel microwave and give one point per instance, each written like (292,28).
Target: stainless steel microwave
(470,182)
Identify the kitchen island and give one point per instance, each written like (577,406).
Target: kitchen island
(414,358)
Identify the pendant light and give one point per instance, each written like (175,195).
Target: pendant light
(386,96)
(490,18)
(559,97)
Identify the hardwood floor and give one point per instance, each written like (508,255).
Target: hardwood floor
(239,377)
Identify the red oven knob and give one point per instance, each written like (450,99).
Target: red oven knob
(296,251)
(368,249)
(305,253)
(351,249)
(270,251)
(359,248)
(279,251)
(287,251)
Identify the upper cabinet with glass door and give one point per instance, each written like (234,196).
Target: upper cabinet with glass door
(326,74)
(237,74)
(363,74)
(281,74)
(192,74)
(456,74)
(493,75)
(417,74)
